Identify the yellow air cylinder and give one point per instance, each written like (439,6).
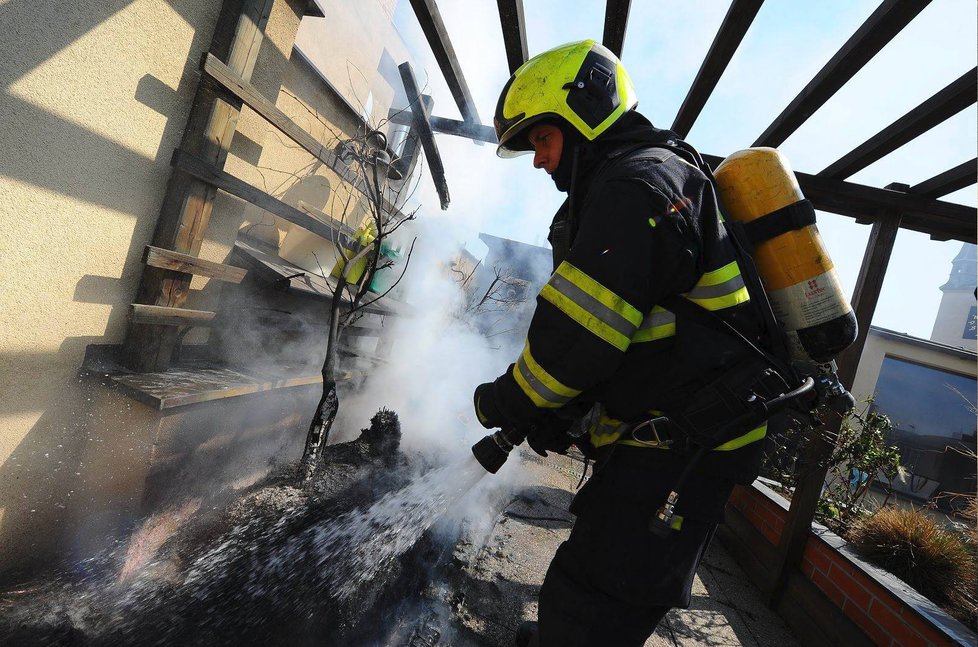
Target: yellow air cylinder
(798,275)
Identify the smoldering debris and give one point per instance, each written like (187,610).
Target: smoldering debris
(276,564)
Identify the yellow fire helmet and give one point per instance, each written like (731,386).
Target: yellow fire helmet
(583,83)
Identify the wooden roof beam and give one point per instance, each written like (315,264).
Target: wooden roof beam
(949,181)
(437,35)
(514,32)
(422,127)
(615,24)
(739,17)
(879,29)
(942,106)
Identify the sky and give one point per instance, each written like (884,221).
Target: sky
(666,41)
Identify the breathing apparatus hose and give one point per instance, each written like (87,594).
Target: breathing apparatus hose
(661,523)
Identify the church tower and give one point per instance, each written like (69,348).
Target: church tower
(955,324)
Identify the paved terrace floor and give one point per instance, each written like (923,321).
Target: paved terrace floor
(503,577)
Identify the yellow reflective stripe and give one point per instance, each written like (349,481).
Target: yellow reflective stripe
(750,437)
(543,389)
(602,294)
(592,305)
(602,330)
(659,324)
(720,288)
(725,301)
(479,414)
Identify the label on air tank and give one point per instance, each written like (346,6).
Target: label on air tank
(809,303)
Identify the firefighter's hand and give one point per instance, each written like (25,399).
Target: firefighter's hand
(549,434)
(486,409)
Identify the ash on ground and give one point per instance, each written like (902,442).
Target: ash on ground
(260,566)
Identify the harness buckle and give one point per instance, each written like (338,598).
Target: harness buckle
(657,440)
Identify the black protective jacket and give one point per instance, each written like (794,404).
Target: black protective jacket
(643,225)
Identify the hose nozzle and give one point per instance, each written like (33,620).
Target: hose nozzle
(493,450)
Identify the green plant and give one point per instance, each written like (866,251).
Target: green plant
(933,560)
(861,455)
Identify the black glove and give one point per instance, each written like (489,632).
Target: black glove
(486,409)
(550,434)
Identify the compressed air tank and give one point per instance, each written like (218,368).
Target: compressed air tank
(758,189)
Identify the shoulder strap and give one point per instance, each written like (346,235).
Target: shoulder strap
(685,309)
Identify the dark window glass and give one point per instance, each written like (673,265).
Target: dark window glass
(931,411)
(969,326)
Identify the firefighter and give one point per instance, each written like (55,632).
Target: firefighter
(640,225)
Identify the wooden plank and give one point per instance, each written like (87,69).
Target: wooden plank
(942,220)
(949,181)
(798,524)
(878,30)
(615,24)
(735,24)
(441,46)
(514,32)
(435,166)
(252,98)
(187,203)
(443,125)
(224,181)
(277,272)
(198,384)
(166,259)
(951,100)
(164,316)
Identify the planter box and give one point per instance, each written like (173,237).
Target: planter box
(837,598)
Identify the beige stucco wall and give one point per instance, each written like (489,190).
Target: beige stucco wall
(877,347)
(94,100)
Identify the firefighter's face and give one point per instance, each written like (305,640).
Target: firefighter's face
(547,142)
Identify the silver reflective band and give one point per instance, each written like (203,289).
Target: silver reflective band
(539,387)
(660,318)
(594,307)
(719,290)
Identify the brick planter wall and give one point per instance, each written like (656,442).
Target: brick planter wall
(883,608)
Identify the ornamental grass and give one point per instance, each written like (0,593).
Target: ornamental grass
(937,562)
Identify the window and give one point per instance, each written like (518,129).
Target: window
(931,410)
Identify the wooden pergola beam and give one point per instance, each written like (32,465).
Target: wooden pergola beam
(735,24)
(445,126)
(951,180)
(879,29)
(514,32)
(615,24)
(948,102)
(422,127)
(441,45)
(804,500)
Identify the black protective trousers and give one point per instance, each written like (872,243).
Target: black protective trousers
(612,581)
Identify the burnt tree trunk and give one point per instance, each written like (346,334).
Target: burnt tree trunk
(329,403)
